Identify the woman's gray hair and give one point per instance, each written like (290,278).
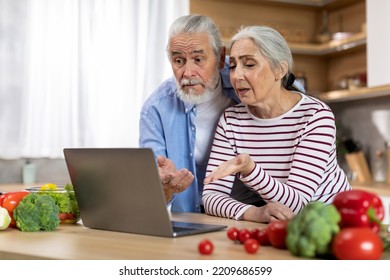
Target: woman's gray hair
(271,44)
(193,24)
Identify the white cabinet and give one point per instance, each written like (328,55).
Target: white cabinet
(378,46)
(386,204)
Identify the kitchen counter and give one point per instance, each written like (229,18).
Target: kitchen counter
(380,189)
(76,242)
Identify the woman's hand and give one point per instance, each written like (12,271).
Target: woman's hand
(270,212)
(242,163)
(173,180)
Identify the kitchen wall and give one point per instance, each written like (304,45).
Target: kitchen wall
(366,121)
(47,171)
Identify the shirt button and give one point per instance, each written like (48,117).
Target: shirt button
(190,154)
(193,128)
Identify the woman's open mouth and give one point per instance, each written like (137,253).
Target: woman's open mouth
(242,91)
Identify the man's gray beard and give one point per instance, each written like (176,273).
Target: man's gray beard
(192,98)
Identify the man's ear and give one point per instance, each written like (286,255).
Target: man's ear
(222,58)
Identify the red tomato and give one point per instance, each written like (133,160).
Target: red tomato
(66,217)
(254,232)
(251,245)
(232,233)
(205,247)
(262,237)
(1,199)
(243,235)
(277,233)
(11,200)
(357,244)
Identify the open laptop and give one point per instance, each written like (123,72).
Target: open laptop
(119,189)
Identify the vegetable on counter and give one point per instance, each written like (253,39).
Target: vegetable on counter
(5,218)
(310,233)
(357,243)
(10,200)
(205,247)
(251,245)
(277,234)
(66,201)
(65,198)
(37,212)
(360,208)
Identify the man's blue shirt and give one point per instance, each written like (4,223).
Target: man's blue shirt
(167,126)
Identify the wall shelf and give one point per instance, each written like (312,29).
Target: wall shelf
(355,94)
(323,65)
(333,46)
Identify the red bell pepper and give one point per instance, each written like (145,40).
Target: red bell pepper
(10,200)
(360,208)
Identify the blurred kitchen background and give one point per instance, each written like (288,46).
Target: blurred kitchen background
(75,73)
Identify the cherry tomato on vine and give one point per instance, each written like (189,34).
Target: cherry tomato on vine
(251,245)
(277,233)
(262,237)
(357,244)
(254,232)
(232,233)
(205,247)
(243,235)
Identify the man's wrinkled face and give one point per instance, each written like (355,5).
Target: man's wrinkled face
(195,66)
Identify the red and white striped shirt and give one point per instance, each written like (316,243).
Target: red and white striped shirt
(295,157)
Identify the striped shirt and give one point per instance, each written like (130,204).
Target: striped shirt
(295,156)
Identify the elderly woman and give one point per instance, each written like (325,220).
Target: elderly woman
(279,142)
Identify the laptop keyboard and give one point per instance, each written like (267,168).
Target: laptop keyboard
(180,229)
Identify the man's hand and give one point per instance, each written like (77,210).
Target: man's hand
(270,212)
(173,180)
(165,168)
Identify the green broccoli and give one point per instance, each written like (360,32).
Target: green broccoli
(310,232)
(37,212)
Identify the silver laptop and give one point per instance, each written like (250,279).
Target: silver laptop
(119,189)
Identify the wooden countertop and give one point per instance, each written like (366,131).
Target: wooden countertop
(76,242)
(380,189)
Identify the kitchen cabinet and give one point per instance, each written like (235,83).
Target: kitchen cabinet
(378,42)
(326,65)
(360,109)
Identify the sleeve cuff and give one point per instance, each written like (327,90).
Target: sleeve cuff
(240,215)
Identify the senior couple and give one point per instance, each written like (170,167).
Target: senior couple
(234,135)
